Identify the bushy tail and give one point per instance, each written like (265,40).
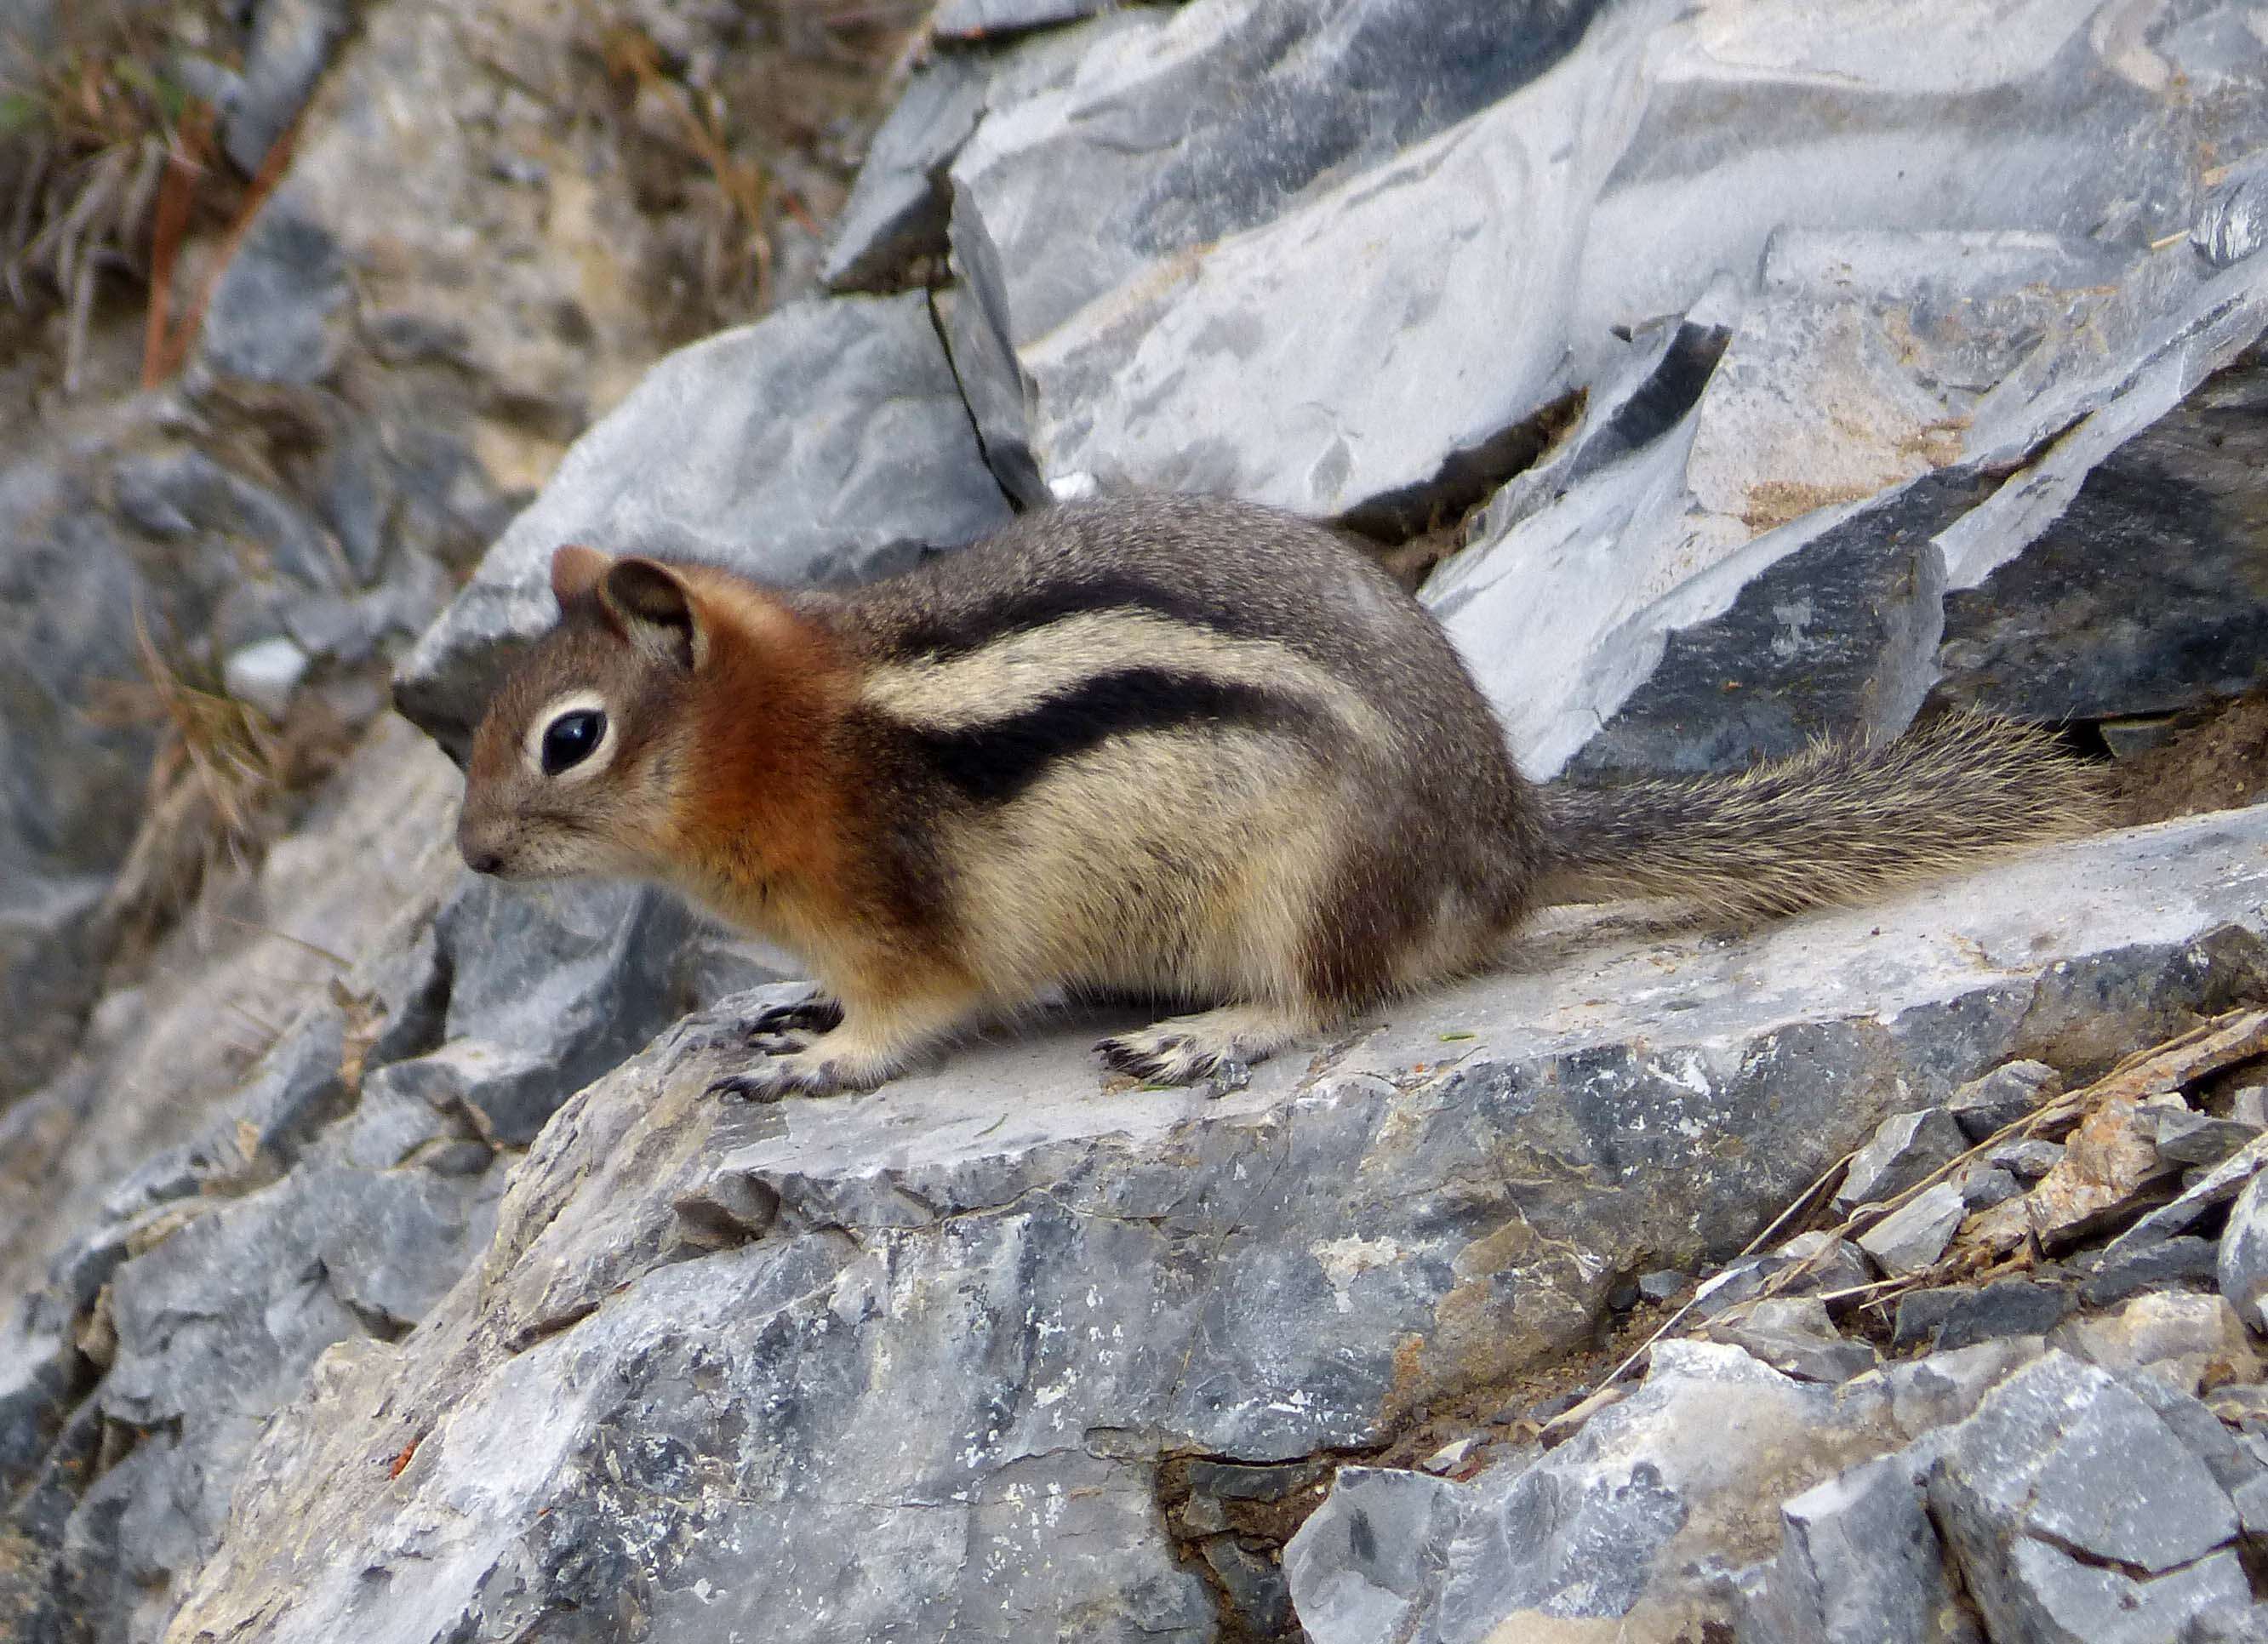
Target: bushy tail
(1840,822)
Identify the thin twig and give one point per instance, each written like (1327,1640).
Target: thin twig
(263,184)
(1799,1203)
(171,219)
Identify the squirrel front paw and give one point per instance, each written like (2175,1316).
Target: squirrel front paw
(799,1066)
(816,1014)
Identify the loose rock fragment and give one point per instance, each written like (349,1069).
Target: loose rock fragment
(2010,1091)
(1915,1234)
(2063,1481)
(2118,1273)
(2182,1339)
(1961,1315)
(2242,1268)
(1361,1563)
(2026,1161)
(1858,1563)
(2192,1137)
(1794,1336)
(1906,1147)
(1835,1264)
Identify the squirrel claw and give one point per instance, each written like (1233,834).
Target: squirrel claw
(793,1067)
(817,1014)
(1177,1058)
(748,1087)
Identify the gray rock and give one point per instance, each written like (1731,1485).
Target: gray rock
(171,1113)
(74,771)
(2117,1274)
(2061,1464)
(2163,612)
(550,986)
(982,1284)
(2242,1267)
(1962,1315)
(265,674)
(898,207)
(51,944)
(1145,240)
(1452,1455)
(2235,1462)
(2026,1161)
(292,40)
(275,313)
(1562,645)
(1929,1395)
(1905,1148)
(180,492)
(1372,1554)
(1858,1563)
(827,442)
(1839,1265)
(977,19)
(69,788)
(1984,1106)
(1915,1234)
(2193,1138)
(2234,222)
(1839,636)
(219,1323)
(2058,1596)
(1661,1283)
(1743,1281)
(2220,1184)
(2131,737)
(1982,1186)
(1794,1336)
(1226,144)
(2234,1623)
(1624,1519)
(2178,1337)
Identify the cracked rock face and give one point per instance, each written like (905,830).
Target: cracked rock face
(377,1267)
(929,1348)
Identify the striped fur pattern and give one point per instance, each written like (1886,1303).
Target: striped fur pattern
(1841,822)
(1190,749)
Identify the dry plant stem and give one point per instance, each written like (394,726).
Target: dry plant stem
(1802,1204)
(285,936)
(630,50)
(2227,1039)
(263,184)
(172,218)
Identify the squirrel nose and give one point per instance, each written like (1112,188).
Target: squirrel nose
(477,844)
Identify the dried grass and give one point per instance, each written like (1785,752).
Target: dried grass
(99,149)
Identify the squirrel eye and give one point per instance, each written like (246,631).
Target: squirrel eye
(569,740)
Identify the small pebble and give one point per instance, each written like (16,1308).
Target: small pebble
(1661,1283)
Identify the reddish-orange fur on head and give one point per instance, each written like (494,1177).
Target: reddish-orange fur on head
(718,769)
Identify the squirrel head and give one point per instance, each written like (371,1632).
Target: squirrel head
(576,764)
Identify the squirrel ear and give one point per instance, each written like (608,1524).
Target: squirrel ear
(655,611)
(575,571)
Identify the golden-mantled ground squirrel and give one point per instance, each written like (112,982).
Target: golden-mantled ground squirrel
(1186,749)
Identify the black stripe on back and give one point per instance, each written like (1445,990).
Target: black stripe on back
(955,633)
(995,762)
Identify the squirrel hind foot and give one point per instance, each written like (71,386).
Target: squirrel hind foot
(1215,1047)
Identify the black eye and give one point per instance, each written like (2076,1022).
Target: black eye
(570,739)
